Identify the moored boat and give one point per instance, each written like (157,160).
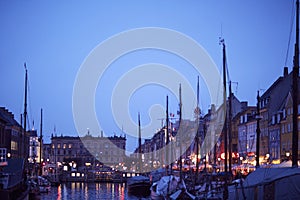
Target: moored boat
(138,186)
(170,187)
(12,185)
(44,185)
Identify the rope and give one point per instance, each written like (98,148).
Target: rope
(29,103)
(290,34)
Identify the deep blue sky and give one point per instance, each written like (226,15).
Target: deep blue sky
(55,37)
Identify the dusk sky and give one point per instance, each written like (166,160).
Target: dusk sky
(54,38)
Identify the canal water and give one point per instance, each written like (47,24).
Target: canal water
(86,191)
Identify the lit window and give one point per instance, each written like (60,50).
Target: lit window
(65,146)
(70,146)
(14,145)
(58,146)
(66,169)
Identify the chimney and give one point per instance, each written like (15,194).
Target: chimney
(213,108)
(244,105)
(285,71)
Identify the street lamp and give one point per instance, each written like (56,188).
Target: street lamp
(287,154)
(267,158)
(241,159)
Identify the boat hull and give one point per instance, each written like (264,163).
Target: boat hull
(139,189)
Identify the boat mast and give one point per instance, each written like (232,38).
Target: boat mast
(167,134)
(180,140)
(224,102)
(225,123)
(230,128)
(140,143)
(41,141)
(257,129)
(197,113)
(25,114)
(295,93)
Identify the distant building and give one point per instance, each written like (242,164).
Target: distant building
(109,151)
(34,147)
(247,133)
(46,152)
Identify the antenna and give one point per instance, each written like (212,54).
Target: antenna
(221,30)
(197,110)
(54,129)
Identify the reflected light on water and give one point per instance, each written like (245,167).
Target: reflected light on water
(59,192)
(94,191)
(113,190)
(86,193)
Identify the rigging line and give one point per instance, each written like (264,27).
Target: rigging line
(227,70)
(290,34)
(216,103)
(29,100)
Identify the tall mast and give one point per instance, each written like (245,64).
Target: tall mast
(295,93)
(140,143)
(225,123)
(180,104)
(197,113)
(257,129)
(224,102)
(180,139)
(230,127)
(25,113)
(22,137)
(167,132)
(41,140)
(198,93)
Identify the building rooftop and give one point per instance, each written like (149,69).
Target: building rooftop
(277,93)
(8,117)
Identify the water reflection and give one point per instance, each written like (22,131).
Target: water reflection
(94,191)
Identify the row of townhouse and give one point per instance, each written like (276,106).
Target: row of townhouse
(276,123)
(275,119)
(275,116)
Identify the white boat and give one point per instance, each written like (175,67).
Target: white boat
(170,187)
(44,185)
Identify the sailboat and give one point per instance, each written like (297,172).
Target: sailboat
(139,185)
(210,186)
(170,186)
